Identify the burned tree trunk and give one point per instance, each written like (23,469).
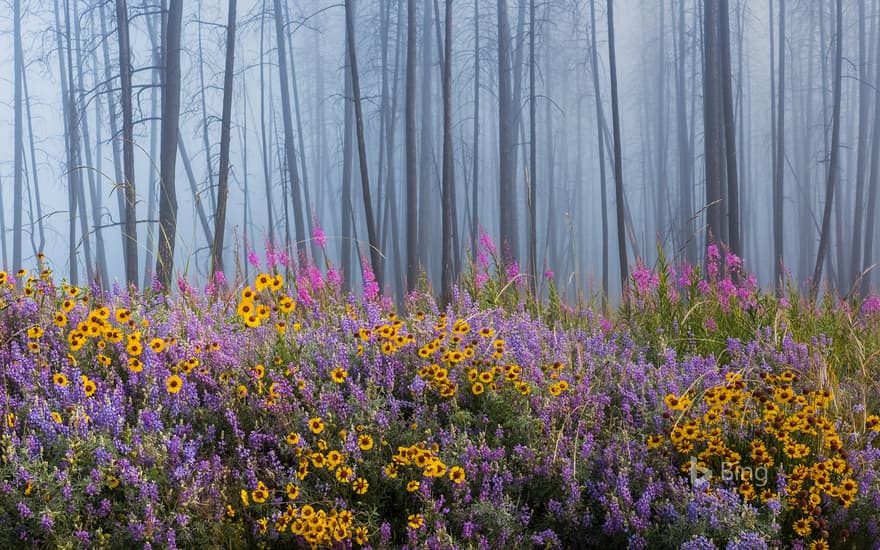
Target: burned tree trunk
(168,150)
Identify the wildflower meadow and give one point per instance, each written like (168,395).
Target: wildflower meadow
(279,412)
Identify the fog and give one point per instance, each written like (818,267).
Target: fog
(758,129)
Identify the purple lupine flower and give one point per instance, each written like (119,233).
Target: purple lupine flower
(467,529)
(698,542)
(747,540)
(23,510)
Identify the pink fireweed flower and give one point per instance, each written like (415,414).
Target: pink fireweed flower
(486,243)
(253,259)
(645,279)
(549,274)
(734,262)
(371,288)
(711,325)
(512,271)
(724,289)
(183,286)
(712,270)
(333,278)
(712,254)
(703,286)
(480,280)
(271,256)
(302,289)
(315,278)
(283,259)
(684,278)
(871,305)
(320,238)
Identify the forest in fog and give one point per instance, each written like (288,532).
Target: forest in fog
(147,140)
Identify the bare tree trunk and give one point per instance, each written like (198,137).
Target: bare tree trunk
(223,179)
(533,158)
(874,179)
(375,253)
(833,165)
(600,137)
(131,248)
(194,190)
(346,215)
(154,25)
(206,142)
(18,146)
(509,228)
(114,132)
(66,109)
(3,246)
(685,159)
(75,142)
(779,164)
(862,160)
(307,205)
(290,152)
(267,177)
(733,221)
(168,153)
(412,188)
(475,178)
(661,192)
(712,120)
(428,186)
(40,246)
(448,166)
(551,256)
(618,155)
(389,116)
(75,199)
(99,273)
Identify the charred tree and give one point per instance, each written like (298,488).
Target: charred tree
(834,154)
(618,154)
(779,162)
(600,137)
(225,127)
(18,145)
(448,166)
(129,220)
(289,143)
(712,121)
(372,237)
(509,228)
(733,222)
(168,148)
(533,158)
(412,188)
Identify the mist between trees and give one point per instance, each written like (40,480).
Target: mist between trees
(151,140)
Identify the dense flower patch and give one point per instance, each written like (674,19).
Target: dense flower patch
(283,413)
